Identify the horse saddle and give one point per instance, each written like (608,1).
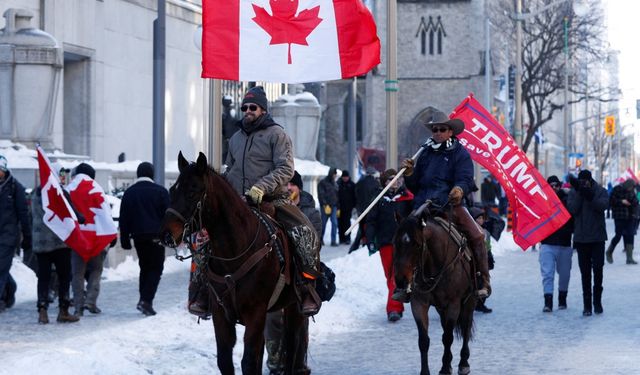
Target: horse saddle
(458,238)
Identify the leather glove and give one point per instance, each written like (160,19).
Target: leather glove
(408,163)
(338,214)
(455,195)
(327,209)
(256,194)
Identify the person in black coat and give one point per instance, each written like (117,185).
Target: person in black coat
(329,205)
(586,203)
(624,209)
(367,189)
(141,211)
(347,202)
(381,224)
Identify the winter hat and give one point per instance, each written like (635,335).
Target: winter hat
(371,170)
(257,96)
(3,164)
(345,173)
(387,175)
(85,168)
(553,179)
(297,179)
(332,172)
(145,169)
(584,175)
(440,118)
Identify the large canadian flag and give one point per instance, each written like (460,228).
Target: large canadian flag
(58,214)
(287,41)
(99,229)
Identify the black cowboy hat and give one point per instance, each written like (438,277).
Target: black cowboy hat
(440,118)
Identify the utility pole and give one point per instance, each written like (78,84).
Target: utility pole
(351,136)
(518,84)
(159,53)
(391,85)
(214,150)
(565,109)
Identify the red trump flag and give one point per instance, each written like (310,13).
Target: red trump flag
(537,211)
(287,41)
(58,214)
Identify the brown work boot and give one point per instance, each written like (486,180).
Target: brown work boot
(65,317)
(484,290)
(200,305)
(310,300)
(43,316)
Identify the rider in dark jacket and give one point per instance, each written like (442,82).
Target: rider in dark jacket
(444,174)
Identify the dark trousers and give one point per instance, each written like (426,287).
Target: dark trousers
(344,222)
(61,258)
(590,257)
(151,260)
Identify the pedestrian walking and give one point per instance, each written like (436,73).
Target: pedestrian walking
(367,189)
(141,212)
(53,257)
(623,202)
(346,202)
(90,271)
(555,256)
(381,224)
(328,197)
(14,220)
(586,203)
(489,192)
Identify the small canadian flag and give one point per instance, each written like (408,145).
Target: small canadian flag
(287,41)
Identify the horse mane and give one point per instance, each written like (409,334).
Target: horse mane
(232,206)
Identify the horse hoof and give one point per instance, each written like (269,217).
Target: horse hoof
(464,370)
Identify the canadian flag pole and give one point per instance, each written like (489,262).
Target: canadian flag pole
(393,181)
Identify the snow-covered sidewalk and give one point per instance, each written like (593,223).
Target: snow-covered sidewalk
(349,336)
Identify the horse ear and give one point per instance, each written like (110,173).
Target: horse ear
(201,163)
(182,162)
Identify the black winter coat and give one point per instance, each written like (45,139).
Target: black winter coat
(587,211)
(308,207)
(14,214)
(382,221)
(562,236)
(618,210)
(328,192)
(346,196)
(367,188)
(142,210)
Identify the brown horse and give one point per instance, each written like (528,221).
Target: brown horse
(243,266)
(439,273)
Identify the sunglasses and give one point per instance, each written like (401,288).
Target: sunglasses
(251,107)
(439,130)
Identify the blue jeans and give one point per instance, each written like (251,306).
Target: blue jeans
(334,223)
(554,258)
(6,258)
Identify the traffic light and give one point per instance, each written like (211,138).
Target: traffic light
(609,125)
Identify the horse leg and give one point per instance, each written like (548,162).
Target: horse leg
(254,341)
(448,320)
(225,333)
(465,325)
(420,315)
(296,335)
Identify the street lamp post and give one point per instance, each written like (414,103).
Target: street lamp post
(391,85)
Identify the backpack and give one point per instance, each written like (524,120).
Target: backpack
(326,284)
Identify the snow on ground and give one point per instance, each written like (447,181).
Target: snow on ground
(349,336)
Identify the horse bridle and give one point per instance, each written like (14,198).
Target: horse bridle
(189,224)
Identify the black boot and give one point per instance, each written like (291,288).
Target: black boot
(562,300)
(597,300)
(481,307)
(586,299)
(43,316)
(548,303)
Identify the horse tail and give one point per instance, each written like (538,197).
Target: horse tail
(464,324)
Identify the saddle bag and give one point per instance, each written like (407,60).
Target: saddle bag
(326,284)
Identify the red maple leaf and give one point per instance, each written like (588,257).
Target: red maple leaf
(284,26)
(56,204)
(84,200)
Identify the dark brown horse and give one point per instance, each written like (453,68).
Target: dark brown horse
(439,273)
(243,266)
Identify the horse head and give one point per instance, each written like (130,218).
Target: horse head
(187,197)
(409,239)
